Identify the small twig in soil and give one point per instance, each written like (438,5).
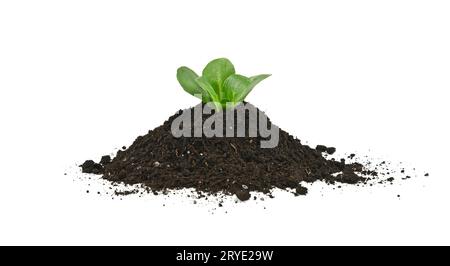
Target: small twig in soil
(234,147)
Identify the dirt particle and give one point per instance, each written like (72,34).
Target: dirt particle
(331,150)
(243,194)
(106,159)
(91,167)
(301,190)
(321,148)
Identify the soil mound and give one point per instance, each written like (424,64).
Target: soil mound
(232,165)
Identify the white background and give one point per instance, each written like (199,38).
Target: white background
(81,78)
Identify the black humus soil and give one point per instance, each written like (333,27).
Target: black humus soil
(235,165)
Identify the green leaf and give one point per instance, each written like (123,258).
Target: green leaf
(253,82)
(208,89)
(259,78)
(234,86)
(186,77)
(216,72)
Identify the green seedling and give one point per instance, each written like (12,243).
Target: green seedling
(219,83)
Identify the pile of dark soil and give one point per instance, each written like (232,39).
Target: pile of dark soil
(236,165)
